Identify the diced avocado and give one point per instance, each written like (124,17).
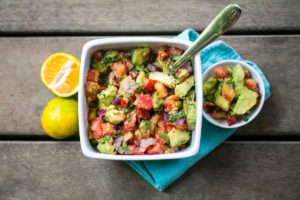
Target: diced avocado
(106,96)
(177,107)
(114,116)
(157,102)
(222,103)
(140,79)
(191,95)
(167,80)
(184,87)
(189,108)
(140,55)
(245,102)
(178,137)
(210,85)
(105,145)
(147,125)
(164,64)
(182,74)
(238,76)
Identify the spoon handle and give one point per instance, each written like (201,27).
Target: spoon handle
(221,23)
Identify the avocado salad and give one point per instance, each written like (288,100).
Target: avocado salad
(230,94)
(135,106)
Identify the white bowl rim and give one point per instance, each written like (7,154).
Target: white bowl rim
(261,88)
(193,149)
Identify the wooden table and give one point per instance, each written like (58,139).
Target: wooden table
(261,160)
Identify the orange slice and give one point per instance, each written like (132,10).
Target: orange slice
(60,73)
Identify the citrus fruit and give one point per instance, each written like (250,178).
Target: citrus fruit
(60,73)
(60,118)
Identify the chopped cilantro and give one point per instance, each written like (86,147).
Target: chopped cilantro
(164,137)
(138,67)
(176,116)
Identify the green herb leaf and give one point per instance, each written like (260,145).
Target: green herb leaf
(244,118)
(164,137)
(176,116)
(138,67)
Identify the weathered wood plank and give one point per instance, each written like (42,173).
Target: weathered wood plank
(141,16)
(23,96)
(58,170)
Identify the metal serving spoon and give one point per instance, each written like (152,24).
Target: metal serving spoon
(221,23)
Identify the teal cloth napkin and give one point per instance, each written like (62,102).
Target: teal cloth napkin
(162,173)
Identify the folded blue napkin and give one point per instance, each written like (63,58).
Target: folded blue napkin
(162,173)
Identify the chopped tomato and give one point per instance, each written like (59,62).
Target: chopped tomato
(149,85)
(169,103)
(232,120)
(162,124)
(119,69)
(161,90)
(124,102)
(92,75)
(162,55)
(142,113)
(154,149)
(129,124)
(107,128)
(221,72)
(96,128)
(228,92)
(160,141)
(160,129)
(143,101)
(251,84)
(170,126)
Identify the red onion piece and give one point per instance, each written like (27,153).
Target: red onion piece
(181,123)
(188,67)
(153,68)
(145,143)
(101,112)
(118,141)
(166,116)
(116,101)
(117,144)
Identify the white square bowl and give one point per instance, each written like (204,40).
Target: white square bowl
(127,43)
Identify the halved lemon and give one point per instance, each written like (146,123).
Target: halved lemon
(60,73)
